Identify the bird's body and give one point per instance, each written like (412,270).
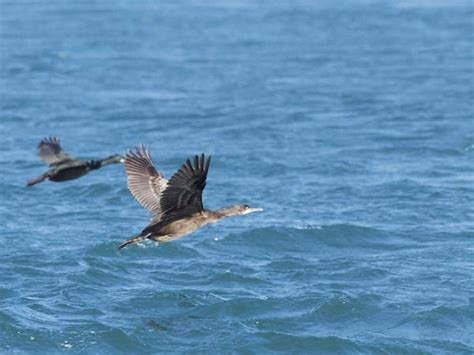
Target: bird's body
(62,166)
(176,203)
(163,231)
(169,231)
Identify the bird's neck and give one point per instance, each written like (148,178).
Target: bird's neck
(96,164)
(225,212)
(212,216)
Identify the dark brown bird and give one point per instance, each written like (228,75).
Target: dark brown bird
(64,167)
(176,203)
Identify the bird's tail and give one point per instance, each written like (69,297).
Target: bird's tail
(36,180)
(134,240)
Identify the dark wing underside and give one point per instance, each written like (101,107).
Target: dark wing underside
(183,195)
(144,181)
(51,152)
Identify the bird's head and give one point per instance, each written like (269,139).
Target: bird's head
(116,158)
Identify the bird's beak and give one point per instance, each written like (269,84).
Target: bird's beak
(253,209)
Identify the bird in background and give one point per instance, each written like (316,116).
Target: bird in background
(64,167)
(176,204)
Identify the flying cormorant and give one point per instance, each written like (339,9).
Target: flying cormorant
(64,167)
(176,203)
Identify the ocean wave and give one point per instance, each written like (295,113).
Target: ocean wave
(278,341)
(338,237)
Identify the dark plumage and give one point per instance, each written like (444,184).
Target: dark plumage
(64,167)
(176,203)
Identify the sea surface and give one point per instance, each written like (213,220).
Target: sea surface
(350,122)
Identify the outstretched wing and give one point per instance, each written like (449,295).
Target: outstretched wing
(51,152)
(144,181)
(183,195)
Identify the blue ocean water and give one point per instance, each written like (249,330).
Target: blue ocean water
(350,123)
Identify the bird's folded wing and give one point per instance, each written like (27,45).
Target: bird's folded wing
(183,194)
(144,181)
(51,152)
